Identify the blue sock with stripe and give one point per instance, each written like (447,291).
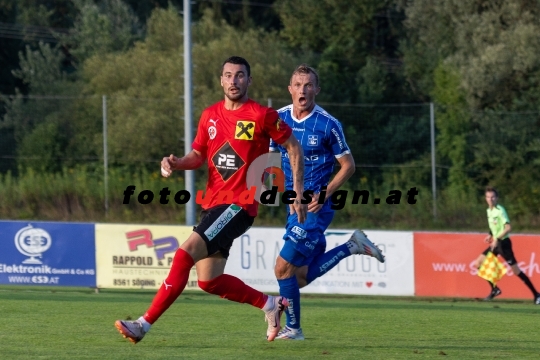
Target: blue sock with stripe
(290,290)
(325,262)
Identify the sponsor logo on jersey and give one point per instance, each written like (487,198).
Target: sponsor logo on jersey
(313,140)
(221,221)
(306,158)
(299,231)
(280,124)
(245,130)
(227,161)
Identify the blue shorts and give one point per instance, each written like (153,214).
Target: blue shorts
(303,242)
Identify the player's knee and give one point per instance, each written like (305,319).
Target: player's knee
(195,247)
(208,286)
(284,269)
(280,271)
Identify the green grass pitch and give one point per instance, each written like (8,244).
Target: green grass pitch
(60,323)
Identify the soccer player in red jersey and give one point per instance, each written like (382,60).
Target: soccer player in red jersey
(231,134)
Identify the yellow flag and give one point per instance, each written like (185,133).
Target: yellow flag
(492,269)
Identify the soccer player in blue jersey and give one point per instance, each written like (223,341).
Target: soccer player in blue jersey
(303,257)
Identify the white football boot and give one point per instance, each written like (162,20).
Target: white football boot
(360,244)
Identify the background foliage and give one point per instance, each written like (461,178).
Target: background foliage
(475,60)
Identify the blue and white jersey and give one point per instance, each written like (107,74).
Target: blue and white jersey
(322,139)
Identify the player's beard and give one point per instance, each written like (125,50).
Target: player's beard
(240,94)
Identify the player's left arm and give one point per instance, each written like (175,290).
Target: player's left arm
(506,230)
(296,159)
(337,146)
(345,172)
(507,226)
(501,235)
(281,134)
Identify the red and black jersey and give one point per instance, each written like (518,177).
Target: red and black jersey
(231,140)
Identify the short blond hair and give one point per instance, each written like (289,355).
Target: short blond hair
(306,69)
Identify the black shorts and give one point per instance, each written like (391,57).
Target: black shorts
(504,248)
(220,225)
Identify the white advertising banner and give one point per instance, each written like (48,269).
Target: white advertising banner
(253,256)
(132,256)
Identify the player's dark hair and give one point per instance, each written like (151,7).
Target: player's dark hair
(306,69)
(237,60)
(493,190)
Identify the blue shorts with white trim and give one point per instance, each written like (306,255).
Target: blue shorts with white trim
(303,242)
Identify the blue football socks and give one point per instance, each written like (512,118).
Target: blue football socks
(325,262)
(290,290)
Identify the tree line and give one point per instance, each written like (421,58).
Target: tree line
(475,60)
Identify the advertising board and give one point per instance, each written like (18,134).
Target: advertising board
(47,253)
(138,256)
(253,256)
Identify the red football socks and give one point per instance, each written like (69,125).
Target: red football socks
(172,287)
(234,289)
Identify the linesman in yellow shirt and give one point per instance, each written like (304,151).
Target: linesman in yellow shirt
(500,243)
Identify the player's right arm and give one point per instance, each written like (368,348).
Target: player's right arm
(196,157)
(296,159)
(193,160)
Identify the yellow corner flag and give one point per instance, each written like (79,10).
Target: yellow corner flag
(492,269)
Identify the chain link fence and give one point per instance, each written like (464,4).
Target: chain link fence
(63,131)
(392,144)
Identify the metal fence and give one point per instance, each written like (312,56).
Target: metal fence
(101,132)
(387,140)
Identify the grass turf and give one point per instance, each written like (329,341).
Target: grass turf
(60,323)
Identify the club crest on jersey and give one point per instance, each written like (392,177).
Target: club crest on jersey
(245,130)
(313,140)
(212,132)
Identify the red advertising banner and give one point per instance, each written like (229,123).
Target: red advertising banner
(444,265)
